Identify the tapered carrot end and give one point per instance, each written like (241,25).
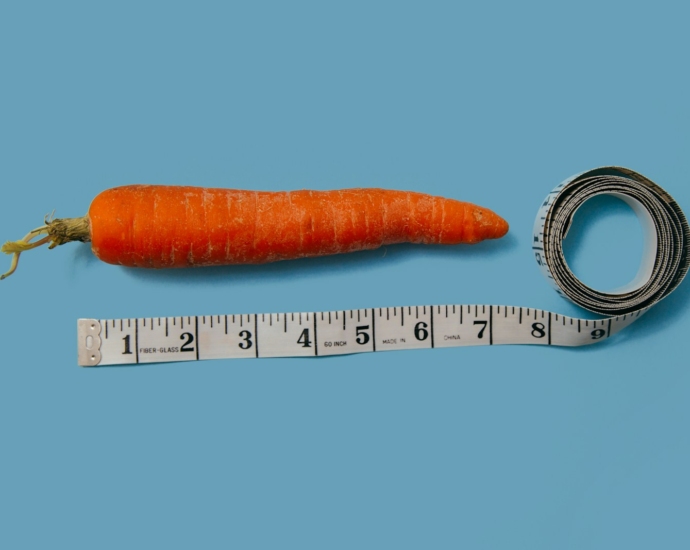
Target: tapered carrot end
(490,225)
(500,227)
(466,223)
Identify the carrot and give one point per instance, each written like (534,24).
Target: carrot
(161,226)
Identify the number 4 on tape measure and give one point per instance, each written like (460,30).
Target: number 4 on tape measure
(665,263)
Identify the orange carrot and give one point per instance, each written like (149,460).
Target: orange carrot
(161,226)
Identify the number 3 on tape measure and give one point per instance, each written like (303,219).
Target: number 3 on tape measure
(665,263)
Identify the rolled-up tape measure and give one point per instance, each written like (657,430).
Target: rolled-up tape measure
(664,265)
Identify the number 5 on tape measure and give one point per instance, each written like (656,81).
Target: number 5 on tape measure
(665,263)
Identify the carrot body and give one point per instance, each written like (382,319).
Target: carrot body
(170,226)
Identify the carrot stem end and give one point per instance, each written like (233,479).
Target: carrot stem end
(59,231)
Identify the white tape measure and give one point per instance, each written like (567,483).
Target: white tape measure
(665,263)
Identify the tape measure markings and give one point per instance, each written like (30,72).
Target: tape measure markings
(665,263)
(147,340)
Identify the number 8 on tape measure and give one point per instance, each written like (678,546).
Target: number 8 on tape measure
(664,265)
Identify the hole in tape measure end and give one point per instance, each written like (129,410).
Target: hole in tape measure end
(605,245)
(89,342)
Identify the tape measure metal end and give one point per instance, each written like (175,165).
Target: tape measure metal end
(88,342)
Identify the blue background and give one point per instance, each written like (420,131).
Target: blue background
(493,103)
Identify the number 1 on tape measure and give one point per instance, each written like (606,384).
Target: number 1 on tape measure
(665,263)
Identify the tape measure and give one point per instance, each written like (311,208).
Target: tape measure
(664,265)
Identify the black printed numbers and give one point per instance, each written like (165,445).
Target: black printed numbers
(127,351)
(538,330)
(481,331)
(188,338)
(361,336)
(420,331)
(246,342)
(304,339)
(598,333)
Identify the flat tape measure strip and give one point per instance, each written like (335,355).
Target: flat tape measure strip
(665,262)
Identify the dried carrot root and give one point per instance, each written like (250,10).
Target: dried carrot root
(160,226)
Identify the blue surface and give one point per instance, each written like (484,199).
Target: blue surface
(477,448)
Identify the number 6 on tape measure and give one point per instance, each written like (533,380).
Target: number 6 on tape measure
(665,263)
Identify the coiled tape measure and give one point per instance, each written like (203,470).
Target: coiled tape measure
(665,263)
